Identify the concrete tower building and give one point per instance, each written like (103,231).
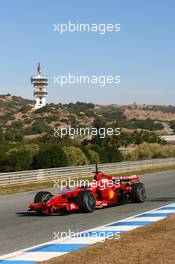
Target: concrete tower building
(40,84)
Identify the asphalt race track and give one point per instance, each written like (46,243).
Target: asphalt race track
(19,230)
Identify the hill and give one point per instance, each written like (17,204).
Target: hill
(18,115)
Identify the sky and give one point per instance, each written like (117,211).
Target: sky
(142,53)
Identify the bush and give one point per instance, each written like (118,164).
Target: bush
(25,109)
(150,151)
(75,156)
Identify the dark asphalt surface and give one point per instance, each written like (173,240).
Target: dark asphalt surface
(18,231)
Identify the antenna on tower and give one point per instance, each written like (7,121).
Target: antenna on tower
(38,68)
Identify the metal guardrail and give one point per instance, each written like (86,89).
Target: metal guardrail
(42,175)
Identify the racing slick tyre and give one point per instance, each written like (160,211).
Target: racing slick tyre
(138,193)
(42,197)
(86,201)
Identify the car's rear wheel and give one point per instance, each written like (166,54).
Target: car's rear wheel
(42,197)
(86,201)
(138,193)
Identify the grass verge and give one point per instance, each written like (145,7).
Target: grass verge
(10,189)
(152,244)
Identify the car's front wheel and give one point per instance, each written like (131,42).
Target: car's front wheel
(42,197)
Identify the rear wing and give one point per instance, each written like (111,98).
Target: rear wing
(132,178)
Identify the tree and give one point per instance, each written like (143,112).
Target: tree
(111,154)
(92,155)
(50,156)
(144,136)
(39,127)
(13,136)
(19,158)
(2,137)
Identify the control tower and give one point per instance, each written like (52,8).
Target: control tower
(40,84)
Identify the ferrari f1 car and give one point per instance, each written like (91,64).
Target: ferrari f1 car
(102,191)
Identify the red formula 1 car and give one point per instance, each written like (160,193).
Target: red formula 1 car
(101,192)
